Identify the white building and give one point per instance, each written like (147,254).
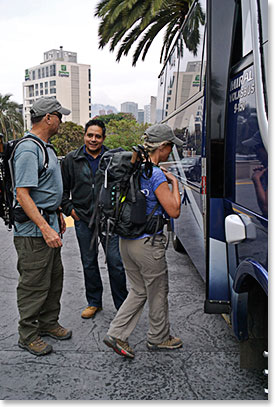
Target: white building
(147,114)
(62,77)
(130,107)
(153,109)
(150,111)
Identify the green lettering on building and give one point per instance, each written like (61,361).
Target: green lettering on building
(64,74)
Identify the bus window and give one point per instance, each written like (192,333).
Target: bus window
(190,49)
(171,83)
(246,27)
(264,18)
(250,154)
(160,96)
(245,147)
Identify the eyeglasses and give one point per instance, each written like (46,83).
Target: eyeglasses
(59,115)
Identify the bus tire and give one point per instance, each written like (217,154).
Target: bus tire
(251,350)
(177,244)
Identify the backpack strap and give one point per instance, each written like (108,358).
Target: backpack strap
(157,225)
(43,148)
(45,154)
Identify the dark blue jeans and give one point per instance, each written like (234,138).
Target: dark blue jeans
(93,283)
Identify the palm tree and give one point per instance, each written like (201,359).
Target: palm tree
(124,21)
(11,120)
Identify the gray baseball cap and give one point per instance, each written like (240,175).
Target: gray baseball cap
(162,132)
(46,105)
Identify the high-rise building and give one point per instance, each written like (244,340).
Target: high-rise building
(130,107)
(150,111)
(59,75)
(141,116)
(153,110)
(147,114)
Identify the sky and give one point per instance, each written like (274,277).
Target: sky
(31,27)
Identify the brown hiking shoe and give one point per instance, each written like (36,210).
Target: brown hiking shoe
(90,312)
(57,333)
(119,346)
(38,347)
(170,343)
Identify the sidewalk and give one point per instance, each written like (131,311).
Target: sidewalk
(83,368)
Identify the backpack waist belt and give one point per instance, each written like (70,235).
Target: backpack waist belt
(21,217)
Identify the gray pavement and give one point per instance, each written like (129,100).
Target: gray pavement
(83,368)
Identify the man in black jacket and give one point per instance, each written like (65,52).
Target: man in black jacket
(79,173)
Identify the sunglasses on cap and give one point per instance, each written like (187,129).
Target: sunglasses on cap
(59,115)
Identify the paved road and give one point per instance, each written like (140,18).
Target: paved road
(83,368)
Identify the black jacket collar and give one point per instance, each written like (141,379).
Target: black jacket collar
(79,153)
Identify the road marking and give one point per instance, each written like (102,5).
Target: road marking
(244,183)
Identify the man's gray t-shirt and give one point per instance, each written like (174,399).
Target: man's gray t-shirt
(45,190)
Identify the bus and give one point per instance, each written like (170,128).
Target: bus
(213,92)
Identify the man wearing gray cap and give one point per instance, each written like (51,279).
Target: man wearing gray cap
(38,229)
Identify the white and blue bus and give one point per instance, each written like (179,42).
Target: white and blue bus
(213,93)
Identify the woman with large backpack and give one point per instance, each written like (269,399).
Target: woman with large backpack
(144,257)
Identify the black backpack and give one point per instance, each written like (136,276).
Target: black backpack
(7,151)
(121,205)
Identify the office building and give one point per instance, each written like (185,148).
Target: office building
(59,75)
(130,107)
(153,110)
(147,114)
(150,111)
(141,116)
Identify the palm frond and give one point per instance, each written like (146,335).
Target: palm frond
(148,37)
(125,21)
(156,6)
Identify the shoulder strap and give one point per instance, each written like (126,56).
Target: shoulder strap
(41,146)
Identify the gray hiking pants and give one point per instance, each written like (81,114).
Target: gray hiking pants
(147,273)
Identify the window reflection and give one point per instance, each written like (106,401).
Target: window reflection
(184,73)
(251,159)
(187,126)
(190,52)
(246,27)
(160,97)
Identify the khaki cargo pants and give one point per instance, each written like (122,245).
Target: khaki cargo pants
(147,272)
(39,286)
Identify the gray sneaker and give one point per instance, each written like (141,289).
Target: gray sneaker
(170,343)
(120,347)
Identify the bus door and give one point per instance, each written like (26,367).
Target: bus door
(181,105)
(245,188)
(220,23)
(246,169)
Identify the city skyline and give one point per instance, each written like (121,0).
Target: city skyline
(41,26)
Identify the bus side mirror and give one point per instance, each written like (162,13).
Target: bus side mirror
(239,228)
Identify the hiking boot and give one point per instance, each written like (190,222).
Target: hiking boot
(90,312)
(58,332)
(38,347)
(170,343)
(119,346)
